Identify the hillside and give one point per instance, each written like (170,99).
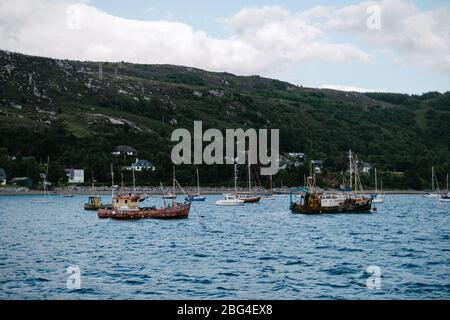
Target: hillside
(61,109)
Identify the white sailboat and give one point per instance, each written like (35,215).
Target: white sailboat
(47,198)
(445,197)
(432,194)
(378,197)
(229,199)
(197,196)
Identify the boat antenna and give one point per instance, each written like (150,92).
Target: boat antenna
(112,181)
(162,191)
(134,181)
(249,178)
(376,182)
(350,169)
(198,183)
(174,188)
(235,179)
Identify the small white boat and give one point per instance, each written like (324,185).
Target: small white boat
(230,200)
(47,198)
(378,197)
(433,194)
(446,196)
(378,200)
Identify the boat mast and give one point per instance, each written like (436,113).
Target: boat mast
(46,175)
(162,191)
(112,183)
(235,179)
(271,184)
(173,187)
(134,181)
(350,162)
(355,164)
(376,183)
(198,184)
(432,179)
(447,183)
(249,179)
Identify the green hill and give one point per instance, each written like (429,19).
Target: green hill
(61,109)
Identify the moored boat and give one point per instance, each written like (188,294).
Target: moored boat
(432,194)
(446,196)
(249,198)
(196,197)
(94,203)
(313,200)
(126,207)
(377,197)
(231,200)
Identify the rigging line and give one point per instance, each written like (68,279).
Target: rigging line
(200,216)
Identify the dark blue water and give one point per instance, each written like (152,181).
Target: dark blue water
(258,251)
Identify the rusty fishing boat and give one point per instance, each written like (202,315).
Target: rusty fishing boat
(126,207)
(313,200)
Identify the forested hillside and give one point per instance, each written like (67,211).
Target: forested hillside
(62,109)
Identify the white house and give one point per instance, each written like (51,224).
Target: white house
(141,165)
(366,167)
(75,175)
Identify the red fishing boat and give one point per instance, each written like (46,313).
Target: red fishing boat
(126,207)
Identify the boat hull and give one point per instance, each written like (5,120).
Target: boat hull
(229,203)
(180,211)
(196,198)
(364,207)
(248,199)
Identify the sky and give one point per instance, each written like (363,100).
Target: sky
(383,45)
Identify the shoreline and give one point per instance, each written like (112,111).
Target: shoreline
(154,191)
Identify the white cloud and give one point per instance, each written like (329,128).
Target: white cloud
(265,38)
(348,88)
(406,35)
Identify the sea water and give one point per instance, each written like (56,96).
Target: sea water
(255,251)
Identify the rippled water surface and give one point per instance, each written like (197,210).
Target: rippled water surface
(257,251)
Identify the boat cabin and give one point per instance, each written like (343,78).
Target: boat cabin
(129,202)
(95,201)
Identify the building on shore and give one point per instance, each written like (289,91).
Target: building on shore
(3,177)
(141,165)
(75,175)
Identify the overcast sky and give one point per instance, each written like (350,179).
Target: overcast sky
(387,45)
